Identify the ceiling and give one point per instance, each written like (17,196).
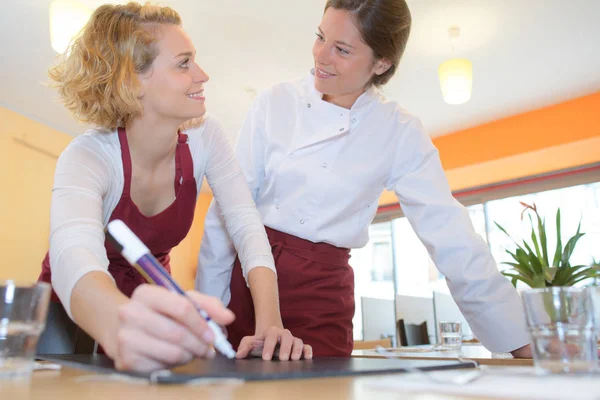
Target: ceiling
(525,54)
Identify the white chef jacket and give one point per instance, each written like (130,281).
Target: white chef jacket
(317,170)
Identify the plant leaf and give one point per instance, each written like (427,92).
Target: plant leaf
(524,270)
(516,277)
(527,247)
(558,253)
(570,246)
(584,278)
(563,275)
(543,238)
(550,273)
(534,238)
(514,256)
(502,229)
(539,281)
(584,272)
(506,233)
(523,259)
(536,265)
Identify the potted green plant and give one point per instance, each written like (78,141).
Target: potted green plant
(552,306)
(596,265)
(531,263)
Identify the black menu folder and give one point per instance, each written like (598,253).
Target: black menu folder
(255,369)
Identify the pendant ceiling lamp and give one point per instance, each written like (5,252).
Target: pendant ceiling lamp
(456,76)
(67,17)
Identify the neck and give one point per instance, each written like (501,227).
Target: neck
(344,101)
(151,142)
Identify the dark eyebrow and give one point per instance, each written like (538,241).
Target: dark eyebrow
(337,41)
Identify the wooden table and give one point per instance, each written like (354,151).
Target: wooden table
(71,384)
(474,352)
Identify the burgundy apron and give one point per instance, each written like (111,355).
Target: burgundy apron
(316,295)
(160,232)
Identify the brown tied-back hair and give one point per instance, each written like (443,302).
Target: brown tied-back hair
(97,76)
(384,26)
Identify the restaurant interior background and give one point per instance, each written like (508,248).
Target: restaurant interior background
(528,131)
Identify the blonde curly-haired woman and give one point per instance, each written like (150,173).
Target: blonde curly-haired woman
(131,72)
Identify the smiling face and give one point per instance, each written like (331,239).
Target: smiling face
(172,88)
(344,64)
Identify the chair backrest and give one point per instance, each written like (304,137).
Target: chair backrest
(371,344)
(62,335)
(412,334)
(414,310)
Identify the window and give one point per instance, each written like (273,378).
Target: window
(373,271)
(382,262)
(577,203)
(394,249)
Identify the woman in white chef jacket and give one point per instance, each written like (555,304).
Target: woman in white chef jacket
(317,153)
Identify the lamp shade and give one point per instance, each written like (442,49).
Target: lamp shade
(67,17)
(456,80)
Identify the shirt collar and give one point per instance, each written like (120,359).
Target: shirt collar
(364,99)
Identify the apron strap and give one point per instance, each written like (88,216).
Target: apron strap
(184,156)
(126,159)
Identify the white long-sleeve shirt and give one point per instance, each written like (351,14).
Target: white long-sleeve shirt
(88,185)
(317,170)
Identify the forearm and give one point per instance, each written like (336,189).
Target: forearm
(216,257)
(265,297)
(94,305)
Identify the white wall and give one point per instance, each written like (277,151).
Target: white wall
(378,317)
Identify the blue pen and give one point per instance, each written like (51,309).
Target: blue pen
(139,256)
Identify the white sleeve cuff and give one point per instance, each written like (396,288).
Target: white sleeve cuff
(502,328)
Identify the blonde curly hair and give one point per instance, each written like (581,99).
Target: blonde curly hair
(97,76)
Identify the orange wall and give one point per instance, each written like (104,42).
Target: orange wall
(26,177)
(184,257)
(552,126)
(550,139)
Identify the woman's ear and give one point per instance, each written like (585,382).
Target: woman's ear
(381,66)
(140,89)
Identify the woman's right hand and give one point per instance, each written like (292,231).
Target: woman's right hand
(159,329)
(264,343)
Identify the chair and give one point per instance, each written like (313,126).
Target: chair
(412,334)
(371,344)
(62,335)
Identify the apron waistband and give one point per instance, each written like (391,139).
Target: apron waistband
(318,252)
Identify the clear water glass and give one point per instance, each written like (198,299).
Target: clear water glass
(450,335)
(561,325)
(23,311)
(596,300)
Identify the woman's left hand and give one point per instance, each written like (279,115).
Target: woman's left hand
(555,346)
(290,347)
(522,352)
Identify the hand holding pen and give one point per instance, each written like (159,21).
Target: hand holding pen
(160,326)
